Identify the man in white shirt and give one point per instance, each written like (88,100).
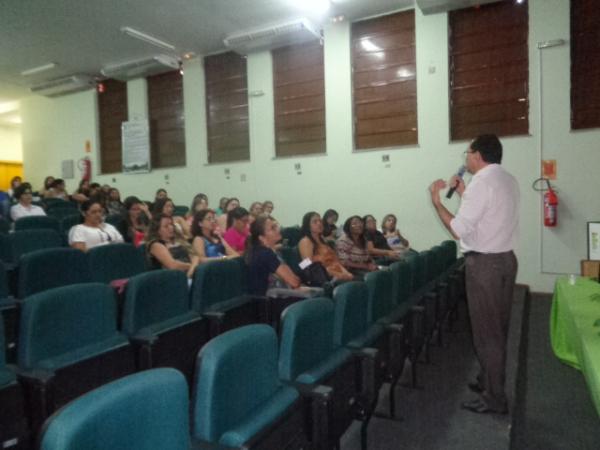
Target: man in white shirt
(487,226)
(24,208)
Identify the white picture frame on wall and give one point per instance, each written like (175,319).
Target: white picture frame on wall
(593,240)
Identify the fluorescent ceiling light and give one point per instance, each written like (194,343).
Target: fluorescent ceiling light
(39,69)
(8,107)
(147,38)
(313,6)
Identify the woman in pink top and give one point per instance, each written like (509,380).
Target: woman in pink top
(237,229)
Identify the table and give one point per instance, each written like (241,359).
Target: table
(574,334)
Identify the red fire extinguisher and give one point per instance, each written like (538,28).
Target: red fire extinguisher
(550,207)
(85,166)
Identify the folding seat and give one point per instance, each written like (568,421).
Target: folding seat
(68,345)
(143,411)
(291,256)
(50,203)
(455,278)
(309,356)
(291,236)
(114,219)
(45,269)
(180,210)
(114,262)
(63,211)
(27,241)
(36,223)
(158,319)
(67,222)
(239,401)
(9,315)
(4,226)
(14,432)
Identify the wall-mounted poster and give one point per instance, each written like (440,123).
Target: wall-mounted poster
(593,240)
(136,146)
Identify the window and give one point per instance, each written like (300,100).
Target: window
(384,81)
(167,124)
(112,111)
(585,64)
(489,70)
(299,95)
(227,107)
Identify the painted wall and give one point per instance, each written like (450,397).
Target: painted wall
(354,182)
(11,148)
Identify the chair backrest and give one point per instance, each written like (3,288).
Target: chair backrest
(180,210)
(380,287)
(62,211)
(426,258)
(143,411)
(235,373)
(26,241)
(153,297)
(114,219)
(2,345)
(67,222)
(4,226)
(5,248)
(64,319)
(37,222)
(351,302)
(292,235)
(401,278)
(438,260)
(216,281)
(4,291)
(413,262)
(450,248)
(291,256)
(46,269)
(52,203)
(114,261)
(306,336)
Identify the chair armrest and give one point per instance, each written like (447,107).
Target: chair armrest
(319,409)
(144,339)
(370,377)
(33,377)
(197,444)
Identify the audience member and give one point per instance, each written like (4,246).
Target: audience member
(82,193)
(24,208)
(166,206)
(315,248)
(93,232)
(330,218)
(230,205)
(352,248)
(163,250)
(256,209)
(221,209)
(268,207)
(15,182)
(199,203)
(377,244)
(208,244)
(392,234)
(237,229)
(114,205)
(135,219)
(45,191)
(265,269)
(58,190)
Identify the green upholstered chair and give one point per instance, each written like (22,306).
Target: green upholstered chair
(36,223)
(4,226)
(291,236)
(218,293)
(13,430)
(291,256)
(158,319)
(114,219)
(309,355)
(69,344)
(49,268)
(238,398)
(143,411)
(68,222)
(59,212)
(180,210)
(114,262)
(26,241)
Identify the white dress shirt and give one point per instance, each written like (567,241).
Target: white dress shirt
(488,218)
(94,236)
(17,211)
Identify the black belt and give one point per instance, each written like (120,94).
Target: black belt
(471,253)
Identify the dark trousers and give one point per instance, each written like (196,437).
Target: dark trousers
(490,282)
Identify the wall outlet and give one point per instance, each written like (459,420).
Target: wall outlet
(297,166)
(385,158)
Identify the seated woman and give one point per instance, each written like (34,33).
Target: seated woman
(114,205)
(256,209)
(265,269)
(24,208)
(352,248)
(222,220)
(45,191)
(377,244)
(207,243)
(395,240)
(167,207)
(57,190)
(314,247)
(199,202)
(221,209)
(93,232)
(330,231)
(268,207)
(164,251)
(136,217)
(237,229)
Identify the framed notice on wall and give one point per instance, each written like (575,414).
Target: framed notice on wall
(593,238)
(136,146)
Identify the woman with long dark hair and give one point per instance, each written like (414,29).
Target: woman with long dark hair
(208,244)
(377,244)
(330,218)
(352,248)
(162,248)
(237,229)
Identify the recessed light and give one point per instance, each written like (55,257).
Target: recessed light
(132,32)
(39,69)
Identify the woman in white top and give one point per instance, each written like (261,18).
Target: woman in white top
(93,232)
(24,208)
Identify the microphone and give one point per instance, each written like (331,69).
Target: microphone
(459,174)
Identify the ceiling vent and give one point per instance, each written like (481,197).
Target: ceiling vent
(273,36)
(140,67)
(64,86)
(440,6)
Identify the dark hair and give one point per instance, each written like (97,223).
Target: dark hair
(364,218)
(15,178)
(223,202)
(489,147)
(361,239)
(236,214)
(47,183)
(154,226)
(197,199)
(327,228)
(305,228)
(257,229)
(158,191)
(199,217)
(229,200)
(20,190)
(159,205)
(114,189)
(385,218)
(57,182)
(85,206)
(95,186)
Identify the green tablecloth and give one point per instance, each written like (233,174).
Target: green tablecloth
(575,339)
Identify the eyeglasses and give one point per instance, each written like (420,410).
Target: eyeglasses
(467,152)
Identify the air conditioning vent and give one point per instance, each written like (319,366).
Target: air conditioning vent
(64,86)
(273,36)
(438,6)
(140,67)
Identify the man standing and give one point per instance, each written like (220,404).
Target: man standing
(487,225)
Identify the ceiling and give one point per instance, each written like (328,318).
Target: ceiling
(81,36)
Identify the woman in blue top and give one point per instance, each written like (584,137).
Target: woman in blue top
(207,242)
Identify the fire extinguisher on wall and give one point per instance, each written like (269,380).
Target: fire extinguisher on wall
(550,203)
(85,166)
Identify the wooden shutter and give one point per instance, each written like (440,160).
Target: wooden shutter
(112,111)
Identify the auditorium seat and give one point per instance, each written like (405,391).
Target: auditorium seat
(291,236)
(36,223)
(114,219)
(67,222)
(180,210)
(9,311)
(239,401)
(26,241)
(158,319)
(308,355)
(4,226)
(143,411)
(69,344)
(45,269)
(291,256)
(114,262)
(62,210)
